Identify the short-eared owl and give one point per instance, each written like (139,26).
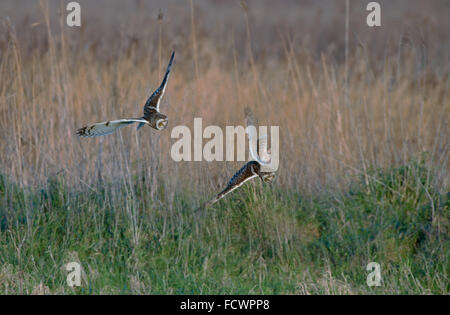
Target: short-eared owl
(152,116)
(255,168)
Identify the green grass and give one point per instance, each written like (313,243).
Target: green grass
(261,239)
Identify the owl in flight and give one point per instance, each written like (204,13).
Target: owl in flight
(255,168)
(152,116)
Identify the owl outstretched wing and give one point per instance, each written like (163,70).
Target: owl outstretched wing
(106,127)
(261,153)
(154,100)
(239,178)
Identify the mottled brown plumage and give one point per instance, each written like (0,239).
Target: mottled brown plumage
(248,171)
(152,116)
(253,168)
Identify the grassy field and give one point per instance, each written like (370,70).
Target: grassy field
(364,148)
(264,240)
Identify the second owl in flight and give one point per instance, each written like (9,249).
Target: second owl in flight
(152,116)
(259,167)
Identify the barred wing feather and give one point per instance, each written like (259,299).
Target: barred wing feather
(106,127)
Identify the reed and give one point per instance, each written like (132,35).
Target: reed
(363,128)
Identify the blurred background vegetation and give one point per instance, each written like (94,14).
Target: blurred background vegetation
(363,115)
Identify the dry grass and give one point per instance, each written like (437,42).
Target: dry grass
(397,106)
(288,66)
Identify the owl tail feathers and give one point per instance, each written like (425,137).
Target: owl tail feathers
(140,125)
